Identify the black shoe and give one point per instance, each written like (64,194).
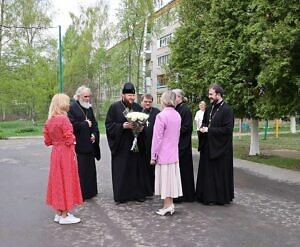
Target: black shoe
(119,202)
(178,200)
(140,199)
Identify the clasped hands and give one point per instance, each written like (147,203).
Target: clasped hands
(204,129)
(93,138)
(128,125)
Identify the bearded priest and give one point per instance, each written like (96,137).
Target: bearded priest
(215,184)
(87,135)
(129,174)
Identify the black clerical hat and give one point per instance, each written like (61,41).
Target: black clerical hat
(128,88)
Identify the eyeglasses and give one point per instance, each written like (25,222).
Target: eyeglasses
(87,96)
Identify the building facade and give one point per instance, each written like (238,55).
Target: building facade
(157,49)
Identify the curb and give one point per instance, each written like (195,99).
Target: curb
(271,172)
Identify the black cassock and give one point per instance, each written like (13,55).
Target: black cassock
(129,175)
(185,154)
(86,151)
(148,134)
(215,172)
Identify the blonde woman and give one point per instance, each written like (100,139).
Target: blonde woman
(63,191)
(165,155)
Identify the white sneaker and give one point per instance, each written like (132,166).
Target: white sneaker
(57,217)
(69,220)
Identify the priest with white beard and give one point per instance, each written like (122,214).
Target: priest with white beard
(87,134)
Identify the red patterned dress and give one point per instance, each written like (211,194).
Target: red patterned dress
(63,190)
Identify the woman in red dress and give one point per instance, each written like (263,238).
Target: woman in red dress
(63,190)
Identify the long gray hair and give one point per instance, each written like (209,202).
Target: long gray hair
(179,92)
(80,90)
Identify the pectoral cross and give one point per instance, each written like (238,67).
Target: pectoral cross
(147,123)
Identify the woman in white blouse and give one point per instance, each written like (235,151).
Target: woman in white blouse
(199,117)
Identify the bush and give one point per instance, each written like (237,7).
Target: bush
(2,136)
(25,130)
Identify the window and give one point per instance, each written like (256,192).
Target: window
(162,60)
(158,4)
(161,80)
(164,41)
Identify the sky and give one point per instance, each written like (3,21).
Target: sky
(63,7)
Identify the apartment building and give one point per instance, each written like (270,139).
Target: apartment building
(158,51)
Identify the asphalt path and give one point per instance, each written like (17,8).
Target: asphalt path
(265,212)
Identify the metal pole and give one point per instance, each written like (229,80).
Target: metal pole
(60,63)
(266,129)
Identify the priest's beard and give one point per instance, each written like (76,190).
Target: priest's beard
(127,103)
(84,104)
(214,101)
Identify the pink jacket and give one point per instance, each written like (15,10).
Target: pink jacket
(164,149)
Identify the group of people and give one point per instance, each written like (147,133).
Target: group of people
(163,164)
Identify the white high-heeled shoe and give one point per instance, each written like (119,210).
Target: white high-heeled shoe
(169,210)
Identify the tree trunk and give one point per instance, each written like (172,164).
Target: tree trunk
(144,55)
(1,24)
(240,128)
(3,113)
(293,124)
(254,145)
(130,60)
(139,52)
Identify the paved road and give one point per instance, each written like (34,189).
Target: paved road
(265,212)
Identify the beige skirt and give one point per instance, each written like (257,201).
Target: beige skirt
(168,181)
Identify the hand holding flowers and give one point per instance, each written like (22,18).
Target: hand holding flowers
(136,122)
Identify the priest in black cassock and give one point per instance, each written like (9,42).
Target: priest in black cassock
(185,149)
(147,101)
(87,146)
(129,175)
(215,173)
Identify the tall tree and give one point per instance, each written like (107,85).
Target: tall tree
(134,17)
(249,47)
(83,47)
(25,45)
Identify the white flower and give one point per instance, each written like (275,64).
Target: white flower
(137,116)
(139,119)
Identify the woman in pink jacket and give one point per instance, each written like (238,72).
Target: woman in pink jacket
(164,153)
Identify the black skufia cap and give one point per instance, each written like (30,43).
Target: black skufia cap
(128,88)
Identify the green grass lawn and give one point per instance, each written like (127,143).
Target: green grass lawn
(27,128)
(241,144)
(20,128)
(289,141)
(241,147)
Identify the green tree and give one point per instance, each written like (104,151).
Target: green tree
(83,50)
(135,18)
(251,48)
(25,48)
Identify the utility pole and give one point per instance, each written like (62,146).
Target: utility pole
(60,63)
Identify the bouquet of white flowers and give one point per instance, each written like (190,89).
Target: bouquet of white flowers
(138,119)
